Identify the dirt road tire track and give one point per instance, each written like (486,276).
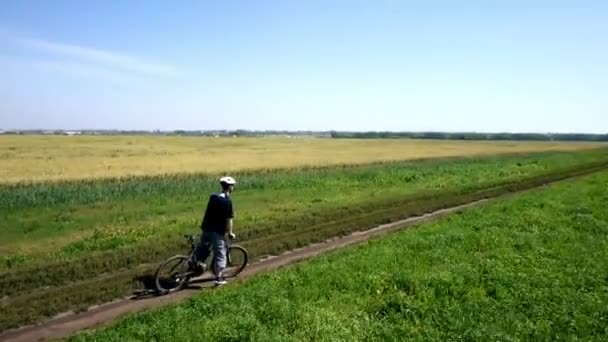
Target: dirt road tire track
(105,314)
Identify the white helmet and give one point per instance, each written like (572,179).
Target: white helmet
(227,180)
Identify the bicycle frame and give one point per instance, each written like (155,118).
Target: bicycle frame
(194,240)
(192,269)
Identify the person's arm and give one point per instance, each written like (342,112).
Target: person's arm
(229,221)
(229,228)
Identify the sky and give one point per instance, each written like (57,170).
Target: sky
(484,66)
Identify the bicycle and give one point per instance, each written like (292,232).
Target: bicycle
(177,271)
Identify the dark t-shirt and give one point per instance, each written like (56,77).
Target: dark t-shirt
(219,210)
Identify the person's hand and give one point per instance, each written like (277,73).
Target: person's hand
(232,236)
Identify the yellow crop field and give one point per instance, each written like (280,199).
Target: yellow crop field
(51,158)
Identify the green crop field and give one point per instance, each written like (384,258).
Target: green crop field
(533,267)
(71,245)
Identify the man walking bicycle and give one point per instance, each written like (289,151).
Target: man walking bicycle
(216,222)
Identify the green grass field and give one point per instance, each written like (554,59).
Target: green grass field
(65,220)
(533,267)
(70,245)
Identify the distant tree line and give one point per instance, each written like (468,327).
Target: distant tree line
(197,133)
(471,136)
(334,134)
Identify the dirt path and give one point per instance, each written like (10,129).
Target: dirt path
(104,314)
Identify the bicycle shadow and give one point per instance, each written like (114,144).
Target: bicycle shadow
(146,285)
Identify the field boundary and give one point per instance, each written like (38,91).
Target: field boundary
(241,172)
(70,323)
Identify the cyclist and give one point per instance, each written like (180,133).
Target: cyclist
(216,221)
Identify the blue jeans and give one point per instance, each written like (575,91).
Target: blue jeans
(215,241)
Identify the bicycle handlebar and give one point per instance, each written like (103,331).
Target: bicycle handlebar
(193,237)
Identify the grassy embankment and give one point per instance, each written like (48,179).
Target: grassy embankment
(533,267)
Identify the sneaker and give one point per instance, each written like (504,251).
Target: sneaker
(220,282)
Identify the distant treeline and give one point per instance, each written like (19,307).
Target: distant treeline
(336,134)
(472,136)
(197,133)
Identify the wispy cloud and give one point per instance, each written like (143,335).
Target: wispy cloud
(104,58)
(90,58)
(71,69)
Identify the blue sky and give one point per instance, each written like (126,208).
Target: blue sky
(492,66)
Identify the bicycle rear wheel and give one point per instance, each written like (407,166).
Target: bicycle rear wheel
(173,274)
(236,261)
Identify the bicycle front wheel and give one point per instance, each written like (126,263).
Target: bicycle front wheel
(236,261)
(173,274)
